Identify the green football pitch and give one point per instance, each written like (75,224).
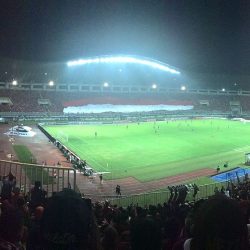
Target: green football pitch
(154,150)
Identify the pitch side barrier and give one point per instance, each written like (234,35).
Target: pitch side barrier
(71,156)
(155,198)
(158,197)
(107,117)
(53,179)
(66,151)
(131,119)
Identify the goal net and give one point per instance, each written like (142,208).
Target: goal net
(63,137)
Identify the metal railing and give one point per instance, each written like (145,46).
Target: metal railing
(52,178)
(162,196)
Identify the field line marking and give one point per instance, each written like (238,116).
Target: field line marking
(78,150)
(75,149)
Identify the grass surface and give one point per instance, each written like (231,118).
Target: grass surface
(150,151)
(33,173)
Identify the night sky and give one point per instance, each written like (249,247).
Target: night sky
(199,35)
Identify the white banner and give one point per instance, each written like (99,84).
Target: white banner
(101,108)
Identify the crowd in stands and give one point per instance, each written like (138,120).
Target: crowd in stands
(28,100)
(68,221)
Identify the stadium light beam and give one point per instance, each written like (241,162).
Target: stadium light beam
(106,84)
(223,89)
(183,88)
(125,59)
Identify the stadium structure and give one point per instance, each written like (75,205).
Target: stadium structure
(120,89)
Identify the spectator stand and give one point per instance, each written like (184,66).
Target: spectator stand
(52,178)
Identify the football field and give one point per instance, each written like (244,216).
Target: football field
(153,150)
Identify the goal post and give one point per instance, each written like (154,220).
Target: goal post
(247,159)
(61,136)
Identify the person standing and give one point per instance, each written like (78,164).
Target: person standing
(196,190)
(8,183)
(218,169)
(118,190)
(101,178)
(1,184)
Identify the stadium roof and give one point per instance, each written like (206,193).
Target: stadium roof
(125,59)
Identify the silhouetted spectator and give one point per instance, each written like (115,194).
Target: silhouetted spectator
(219,224)
(9,183)
(171,230)
(35,237)
(66,222)
(1,184)
(15,196)
(216,191)
(11,225)
(222,190)
(145,235)
(37,195)
(110,239)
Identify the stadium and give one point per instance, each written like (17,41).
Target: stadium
(124,120)
(124,125)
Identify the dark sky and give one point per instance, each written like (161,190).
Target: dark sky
(198,35)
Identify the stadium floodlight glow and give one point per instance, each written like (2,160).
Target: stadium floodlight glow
(106,84)
(183,88)
(51,83)
(223,90)
(154,86)
(125,59)
(14,83)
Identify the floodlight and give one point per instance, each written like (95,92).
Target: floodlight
(183,88)
(223,90)
(14,82)
(125,59)
(105,84)
(45,73)
(51,83)
(154,86)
